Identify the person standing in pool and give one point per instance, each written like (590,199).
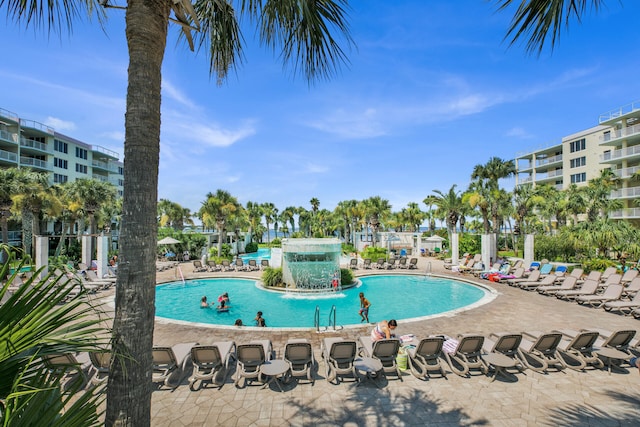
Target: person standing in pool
(260,320)
(364,308)
(203,302)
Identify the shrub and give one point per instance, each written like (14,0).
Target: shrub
(469,243)
(251,247)
(346,276)
(272,277)
(348,248)
(374,253)
(599,264)
(276,243)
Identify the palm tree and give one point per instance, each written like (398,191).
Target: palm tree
(288,214)
(315,204)
(218,209)
(449,206)
(269,211)
(171,214)
(430,202)
(376,209)
(254,216)
(12,180)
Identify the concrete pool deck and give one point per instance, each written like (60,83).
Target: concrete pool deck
(592,397)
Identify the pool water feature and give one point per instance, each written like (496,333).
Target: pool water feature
(311,264)
(391,296)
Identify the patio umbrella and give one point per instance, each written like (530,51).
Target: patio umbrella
(168,241)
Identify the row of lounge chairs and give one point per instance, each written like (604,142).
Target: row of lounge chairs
(226,265)
(497,354)
(383,264)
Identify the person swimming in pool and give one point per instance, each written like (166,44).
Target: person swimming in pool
(223,306)
(203,302)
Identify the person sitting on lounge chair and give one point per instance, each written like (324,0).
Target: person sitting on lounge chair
(384,330)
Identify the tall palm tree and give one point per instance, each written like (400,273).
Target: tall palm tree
(218,209)
(430,202)
(254,217)
(289,213)
(93,194)
(449,206)
(376,209)
(171,214)
(12,180)
(269,211)
(315,204)
(307,33)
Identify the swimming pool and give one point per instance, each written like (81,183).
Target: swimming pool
(391,296)
(262,253)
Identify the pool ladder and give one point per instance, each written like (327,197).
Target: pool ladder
(332,319)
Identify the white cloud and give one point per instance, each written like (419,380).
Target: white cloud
(313,168)
(518,132)
(174,93)
(59,124)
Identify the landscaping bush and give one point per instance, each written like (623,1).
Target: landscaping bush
(276,243)
(469,243)
(597,264)
(272,277)
(373,253)
(251,247)
(346,276)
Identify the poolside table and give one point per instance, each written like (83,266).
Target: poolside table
(611,354)
(500,362)
(369,367)
(274,369)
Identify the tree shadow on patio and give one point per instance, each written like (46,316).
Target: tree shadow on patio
(625,412)
(379,408)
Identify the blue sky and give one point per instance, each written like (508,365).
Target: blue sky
(431,90)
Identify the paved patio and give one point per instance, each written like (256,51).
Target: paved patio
(592,397)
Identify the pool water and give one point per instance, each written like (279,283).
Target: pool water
(262,253)
(391,297)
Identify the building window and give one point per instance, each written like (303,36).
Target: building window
(60,163)
(121,182)
(578,177)
(81,168)
(120,170)
(578,145)
(60,146)
(577,162)
(81,153)
(59,179)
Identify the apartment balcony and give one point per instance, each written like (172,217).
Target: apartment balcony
(31,145)
(626,193)
(9,115)
(551,175)
(626,172)
(105,166)
(631,213)
(527,180)
(619,112)
(9,137)
(8,156)
(548,161)
(36,125)
(613,137)
(617,156)
(35,163)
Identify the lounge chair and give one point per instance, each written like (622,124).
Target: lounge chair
(252,265)
(545,269)
(71,368)
(425,357)
(579,347)
(539,350)
(250,358)
(495,268)
(588,288)
(299,354)
(402,263)
(507,345)
(101,362)
(548,280)
(632,288)
(385,350)
(593,275)
(353,263)
(391,264)
(518,273)
(467,355)
(568,284)
(264,263)
(198,267)
(366,263)
(611,293)
(380,264)
(339,357)
(613,279)
(413,264)
(628,276)
(213,266)
(466,268)
(211,361)
(169,362)
(103,283)
(621,339)
(239,265)
(226,265)
(623,306)
(518,264)
(576,272)
(535,265)
(608,272)
(533,277)
(448,262)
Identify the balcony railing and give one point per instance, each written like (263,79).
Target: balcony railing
(618,154)
(105,151)
(9,156)
(626,193)
(30,143)
(548,160)
(9,114)
(35,125)
(621,133)
(526,180)
(8,136)
(625,109)
(626,172)
(35,163)
(626,213)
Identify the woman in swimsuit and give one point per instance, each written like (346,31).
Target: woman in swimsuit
(384,330)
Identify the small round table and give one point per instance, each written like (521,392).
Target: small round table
(611,354)
(368,366)
(500,362)
(274,369)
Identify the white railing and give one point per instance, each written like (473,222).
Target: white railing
(35,125)
(618,112)
(8,136)
(29,161)
(618,154)
(620,133)
(626,172)
(548,160)
(624,193)
(30,143)
(626,213)
(526,180)
(8,155)
(9,114)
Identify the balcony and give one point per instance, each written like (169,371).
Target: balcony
(7,156)
(548,160)
(620,133)
(9,136)
(35,163)
(619,112)
(624,153)
(104,166)
(626,172)
(631,213)
(527,180)
(626,193)
(35,145)
(9,115)
(35,125)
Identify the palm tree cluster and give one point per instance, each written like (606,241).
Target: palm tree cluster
(27,197)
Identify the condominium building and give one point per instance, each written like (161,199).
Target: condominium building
(614,143)
(28,144)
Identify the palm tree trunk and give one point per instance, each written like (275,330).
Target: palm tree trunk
(129,387)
